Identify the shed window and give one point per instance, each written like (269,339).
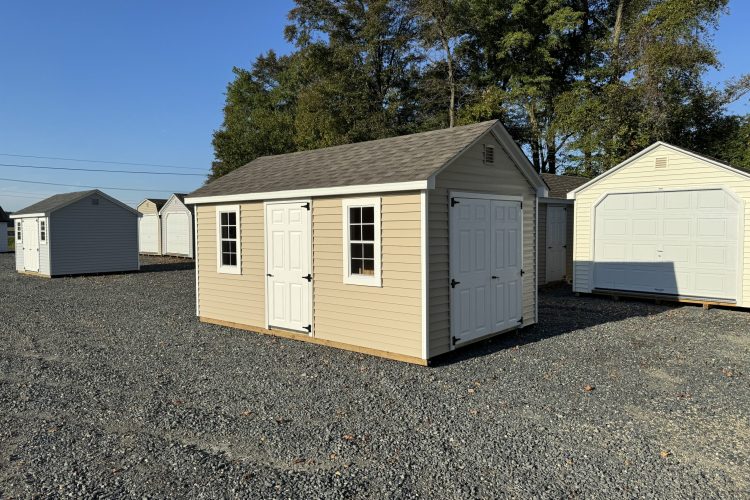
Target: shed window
(18,231)
(362,241)
(228,239)
(43,231)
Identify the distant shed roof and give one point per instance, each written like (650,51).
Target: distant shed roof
(4,216)
(561,185)
(159,202)
(55,202)
(406,158)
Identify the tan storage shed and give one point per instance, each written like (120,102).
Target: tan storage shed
(176,221)
(556,229)
(405,247)
(149,226)
(668,223)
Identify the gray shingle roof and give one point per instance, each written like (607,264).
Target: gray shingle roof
(4,216)
(405,158)
(54,202)
(561,185)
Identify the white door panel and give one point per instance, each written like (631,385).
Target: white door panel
(288,239)
(148,234)
(485,262)
(556,243)
(30,240)
(178,233)
(685,244)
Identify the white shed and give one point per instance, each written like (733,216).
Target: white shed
(176,220)
(149,226)
(76,233)
(666,222)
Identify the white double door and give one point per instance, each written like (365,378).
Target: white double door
(289,265)
(30,241)
(485,266)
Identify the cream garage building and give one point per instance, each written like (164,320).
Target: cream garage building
(667,222)
(176,221)
(406,248)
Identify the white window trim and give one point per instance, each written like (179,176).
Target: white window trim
(46,231)
(219,266)
(376,278)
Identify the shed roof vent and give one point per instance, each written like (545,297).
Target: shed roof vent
(94,201)
(660,162)
(489,154)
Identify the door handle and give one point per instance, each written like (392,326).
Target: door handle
(494,277)
(308,277)
(269,275)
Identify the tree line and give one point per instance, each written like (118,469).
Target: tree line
(580,84)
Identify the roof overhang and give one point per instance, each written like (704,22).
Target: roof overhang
(313,192)
(556,201)
(23,216)
(572,194)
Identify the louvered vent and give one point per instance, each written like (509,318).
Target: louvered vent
(489,154)
(94,201)
(661,162)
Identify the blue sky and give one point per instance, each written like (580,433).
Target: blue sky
(143,82)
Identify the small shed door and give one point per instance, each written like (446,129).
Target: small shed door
(485,263)
(556,243)
(148,236)
(289,265)
(178,233)
(31,245)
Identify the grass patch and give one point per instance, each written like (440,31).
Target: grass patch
(11,243)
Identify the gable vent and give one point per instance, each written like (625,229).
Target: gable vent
(661,162)
(94,201)
(489,154)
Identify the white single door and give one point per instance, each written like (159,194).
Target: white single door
(148,235)
(178,233)
(556,243)
(30,240)
(485,264)
(289,268)
(683,243)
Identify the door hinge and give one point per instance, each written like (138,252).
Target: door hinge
(521,205)
(307,206)
(269,275)
(308,328)
(454,202)
(308,277)
(520,320)
(523,272)
(454,283)
(455,339)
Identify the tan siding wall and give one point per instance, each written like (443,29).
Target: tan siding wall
(542,244)
(148,207)
(683,171)
(230,297)
(468,173)
(386,318)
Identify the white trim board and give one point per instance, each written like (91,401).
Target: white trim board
(424,218)
(572,194)
(309,193)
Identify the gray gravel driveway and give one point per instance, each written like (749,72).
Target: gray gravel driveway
(109,384)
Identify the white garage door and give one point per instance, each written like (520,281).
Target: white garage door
(485,265)
(178,234)
(148,237)
(682,243)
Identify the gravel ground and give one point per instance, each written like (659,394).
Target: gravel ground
(108,384)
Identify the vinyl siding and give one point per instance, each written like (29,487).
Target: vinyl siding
(469,173)
(3,237)
(86,238)
(175,206)
(387,318)
(238,298)
(683,172)
(542,244)
(148,207)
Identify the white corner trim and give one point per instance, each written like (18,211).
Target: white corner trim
(375,280)
(310,193)
(219,267)
(197,264)
(424,218)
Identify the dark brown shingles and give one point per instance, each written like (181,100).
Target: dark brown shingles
(561,185)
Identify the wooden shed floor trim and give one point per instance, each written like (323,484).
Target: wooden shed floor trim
(32,273)
(706,303)
(329,343)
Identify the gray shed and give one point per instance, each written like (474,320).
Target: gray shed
(76,233)
(176,220)
(5,223)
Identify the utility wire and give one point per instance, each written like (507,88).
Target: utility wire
(98,170)
(90,187)
(102,161)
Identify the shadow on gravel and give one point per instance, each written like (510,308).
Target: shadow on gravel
(560,312)
(181,265)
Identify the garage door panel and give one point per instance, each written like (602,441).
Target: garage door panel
(696,231)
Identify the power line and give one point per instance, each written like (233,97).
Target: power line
(102,161)
(90,187)
(98,170)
